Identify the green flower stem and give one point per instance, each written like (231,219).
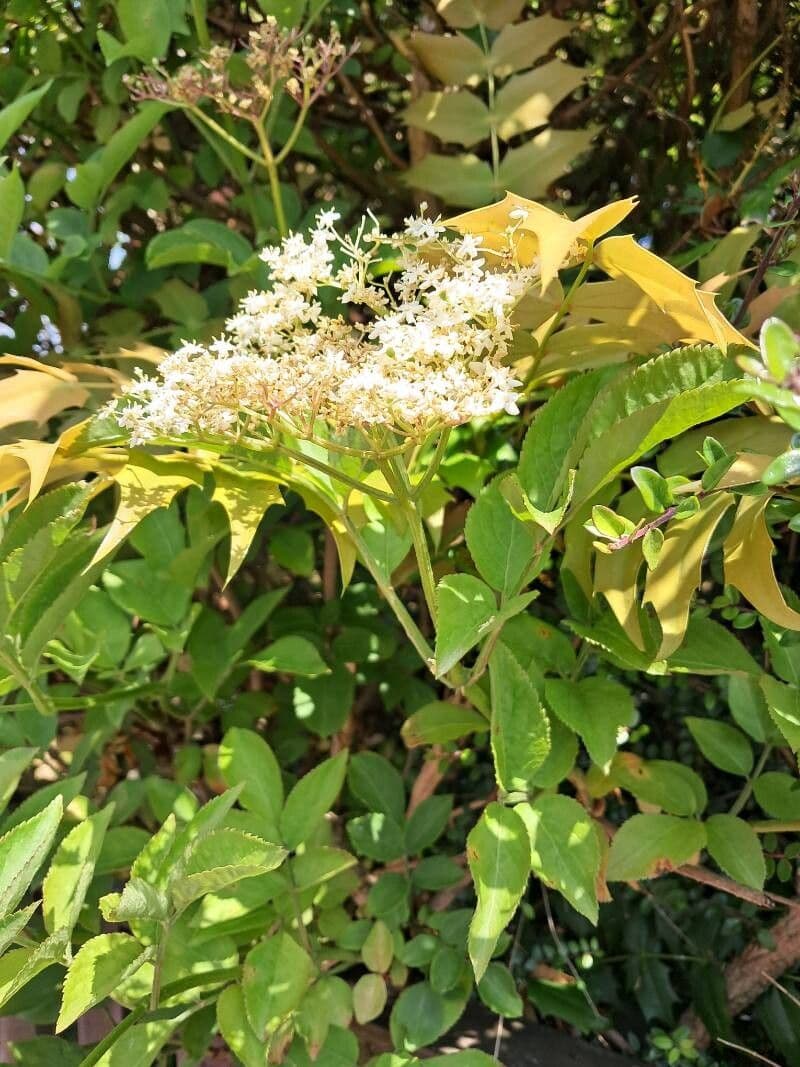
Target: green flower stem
(397,476)
(412,631)
(271,165)
(220,131)
(433,466)
(297,129)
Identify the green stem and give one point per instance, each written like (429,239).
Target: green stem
(490,84)
(200,25)
(747,789)
(562,312)
(433,466)
(182,985)
(302,932)
(335,475)
(776,826)
(411,629)
(272,174)
(220,131)
(297,129)
(158,966)
(416,528)
(39,698)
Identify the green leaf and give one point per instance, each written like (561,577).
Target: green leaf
(500,544)
(654,490)
(275,976)
(221,859)
(378,836)
(311,798)
(565,849)
(466,610)
(783,702)
(437,723)
(245,757)
(12,925)
(12,763)
(369,997)
(737,850)
(319,864)
(291,655)
(421,1015)
(14,114)
(722,744)
(22,851)
(520,732)
(199,241)
(71,871)
(597,709)
(20,966)
(778,794)
(427,823)
(545,458)
(463,180)
(377,951)
(498,991)
(710,648)
(499,857)
(12,208)
(93,178)
(236,1029)
(646,844)
(647,405)
(779,347)
(100,966)
(377,784)
(664,783)
(138,900)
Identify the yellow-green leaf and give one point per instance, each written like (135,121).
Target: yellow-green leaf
(748,563)
(499,857)
(245,499)
(670,585)
(145,483)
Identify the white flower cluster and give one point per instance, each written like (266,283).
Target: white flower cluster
(412,352)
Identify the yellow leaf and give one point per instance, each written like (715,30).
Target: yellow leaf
(532,169)
(748,563)
(245,499)
(517,47)
(460,116)
(616,574)
(669,587)
(694,311)
(546,236)
(36,396)
(452,60)
(462,14)
(525,102)
(465,180)
(146,483)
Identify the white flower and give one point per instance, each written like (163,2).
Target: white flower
(415,352)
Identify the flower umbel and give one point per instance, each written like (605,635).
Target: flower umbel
(411,351)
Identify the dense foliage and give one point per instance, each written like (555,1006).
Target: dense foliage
(396,612)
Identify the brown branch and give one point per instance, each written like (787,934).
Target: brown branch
(751,973)
(368,117)
(768,258)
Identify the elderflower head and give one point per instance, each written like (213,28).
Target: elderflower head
(413,352)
